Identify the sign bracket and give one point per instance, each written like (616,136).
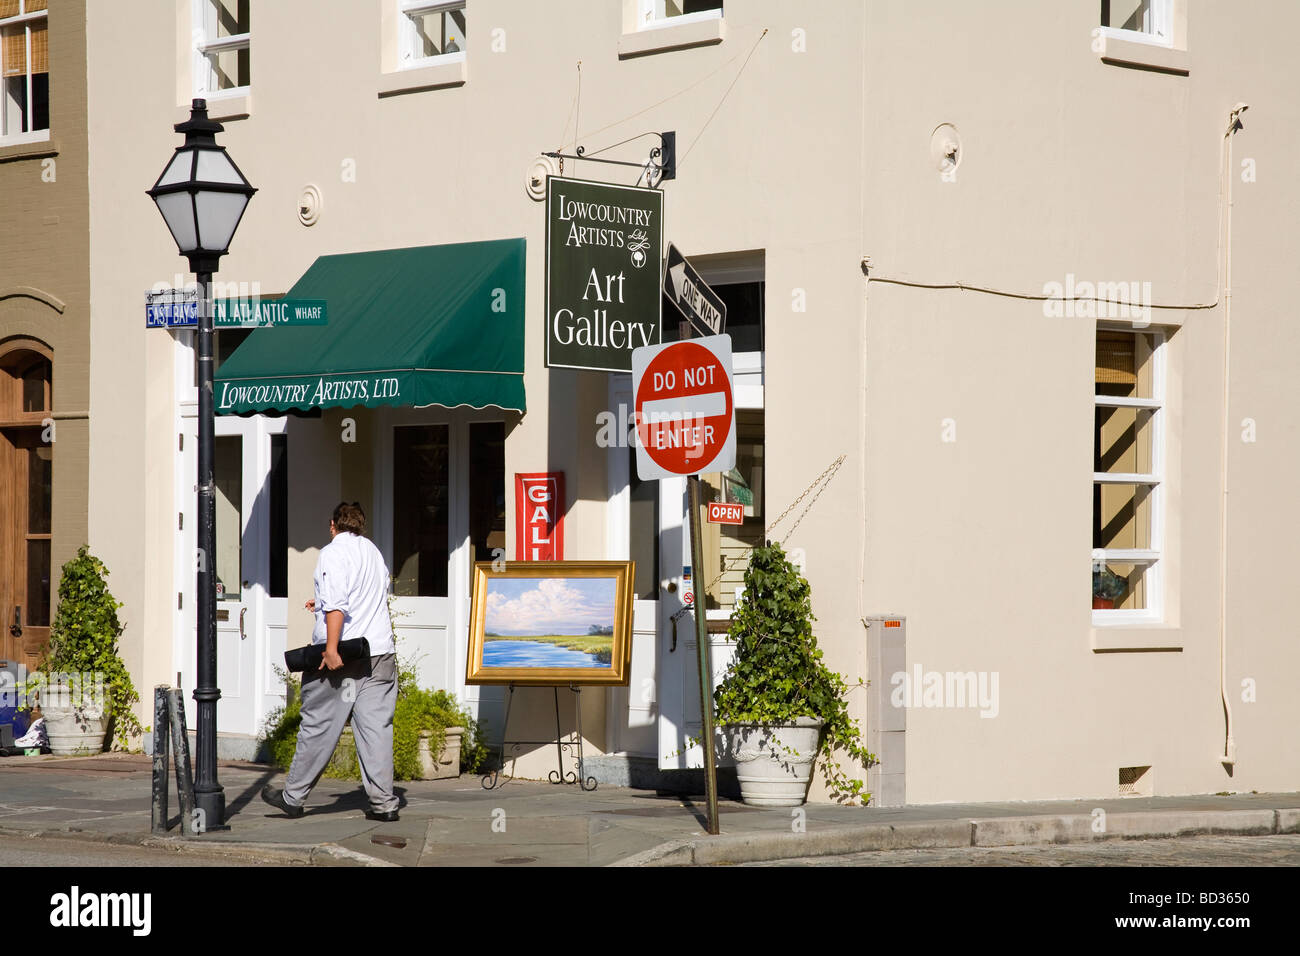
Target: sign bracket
(665,153)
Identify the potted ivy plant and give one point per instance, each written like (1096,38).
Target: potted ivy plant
(779,706)
(88,683)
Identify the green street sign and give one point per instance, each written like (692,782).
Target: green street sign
(263,313)
(604,268)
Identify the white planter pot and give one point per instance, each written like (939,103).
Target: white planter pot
(448,763)
(74,728)
(774,762)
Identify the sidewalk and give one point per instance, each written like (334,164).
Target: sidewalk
(458,823)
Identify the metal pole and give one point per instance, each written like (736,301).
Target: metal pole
(161,726)
(706,666)
(209,797)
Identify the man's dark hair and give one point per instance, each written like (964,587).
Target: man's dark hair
(350,517)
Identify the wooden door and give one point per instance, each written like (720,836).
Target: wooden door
(27,586)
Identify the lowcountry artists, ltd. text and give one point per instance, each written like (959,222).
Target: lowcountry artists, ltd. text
(284,396)
(572,210)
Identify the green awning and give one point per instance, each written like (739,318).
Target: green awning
(429,325)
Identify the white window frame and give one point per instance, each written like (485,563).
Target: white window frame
(407,38)
(1153,577)
(28,136)
(1157,26)
(206,45)
(652,14)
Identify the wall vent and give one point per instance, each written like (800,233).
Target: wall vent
(1136,782)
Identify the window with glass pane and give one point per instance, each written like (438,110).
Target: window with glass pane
(728,545)
(1152,18)
(643,530)
(431,29)
(279,481)
(25,66)
(487,490)
(36,386)
(657,10)
(228,476)
(420,510)
(222,28)
(1128,403)
(744,301)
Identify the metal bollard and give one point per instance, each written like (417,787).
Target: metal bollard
(161,726)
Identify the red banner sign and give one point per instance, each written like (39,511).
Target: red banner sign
(726,512)
(539,516)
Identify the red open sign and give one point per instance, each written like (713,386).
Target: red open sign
(726,512)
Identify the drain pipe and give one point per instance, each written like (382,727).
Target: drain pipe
(1229,756)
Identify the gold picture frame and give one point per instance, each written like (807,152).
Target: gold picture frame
(551,622)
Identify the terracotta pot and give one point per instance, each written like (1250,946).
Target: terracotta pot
(1101,603)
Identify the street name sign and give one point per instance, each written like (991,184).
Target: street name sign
(604,260)
(685,412)
(699,304)
(726,512)
(179,308)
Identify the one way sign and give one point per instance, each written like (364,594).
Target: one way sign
(695,300)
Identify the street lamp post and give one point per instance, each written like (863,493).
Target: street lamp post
(202,196)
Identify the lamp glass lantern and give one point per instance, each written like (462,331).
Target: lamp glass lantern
(201,193)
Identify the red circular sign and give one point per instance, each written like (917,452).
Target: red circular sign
(684,408)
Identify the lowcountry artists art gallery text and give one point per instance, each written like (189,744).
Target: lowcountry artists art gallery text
(286,396)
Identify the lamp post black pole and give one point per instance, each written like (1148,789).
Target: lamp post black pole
(209,798)
(202,196)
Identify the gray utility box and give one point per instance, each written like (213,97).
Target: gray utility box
(886,724)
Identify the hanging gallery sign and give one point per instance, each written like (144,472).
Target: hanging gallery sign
(604,268)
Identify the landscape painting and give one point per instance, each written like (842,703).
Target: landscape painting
(551,622)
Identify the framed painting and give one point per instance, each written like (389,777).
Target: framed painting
(551,622)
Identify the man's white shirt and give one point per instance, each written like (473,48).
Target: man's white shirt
(351,577)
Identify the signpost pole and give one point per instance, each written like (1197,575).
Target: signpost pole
(706,667)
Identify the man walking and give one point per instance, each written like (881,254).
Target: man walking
(351,601)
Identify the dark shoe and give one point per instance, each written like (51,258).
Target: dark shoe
(275,798)
(383,816)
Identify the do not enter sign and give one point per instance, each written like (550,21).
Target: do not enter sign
(685,415)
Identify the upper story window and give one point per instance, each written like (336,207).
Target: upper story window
(25,65)
(1128,472)
(652,13)
(1147,21)
(221,56)
(430,32)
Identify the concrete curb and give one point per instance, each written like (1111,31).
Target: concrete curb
(309,854)
(983,832)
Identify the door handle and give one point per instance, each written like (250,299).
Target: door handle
(16,629)
(242,612)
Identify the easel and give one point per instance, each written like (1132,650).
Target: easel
(492,780)
(169,717)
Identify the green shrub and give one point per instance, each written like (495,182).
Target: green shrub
(84,638)
(417,710)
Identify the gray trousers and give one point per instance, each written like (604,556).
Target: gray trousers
(366,690)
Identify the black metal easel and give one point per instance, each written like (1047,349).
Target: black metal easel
(493,780)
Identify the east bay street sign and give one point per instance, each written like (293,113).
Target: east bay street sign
(604,261)
(685,413)
(702,306)
(179,308)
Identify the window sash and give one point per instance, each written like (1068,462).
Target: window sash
(409,37)
(24,52)
(1149,557)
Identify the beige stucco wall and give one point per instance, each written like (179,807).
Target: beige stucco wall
(819,155)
